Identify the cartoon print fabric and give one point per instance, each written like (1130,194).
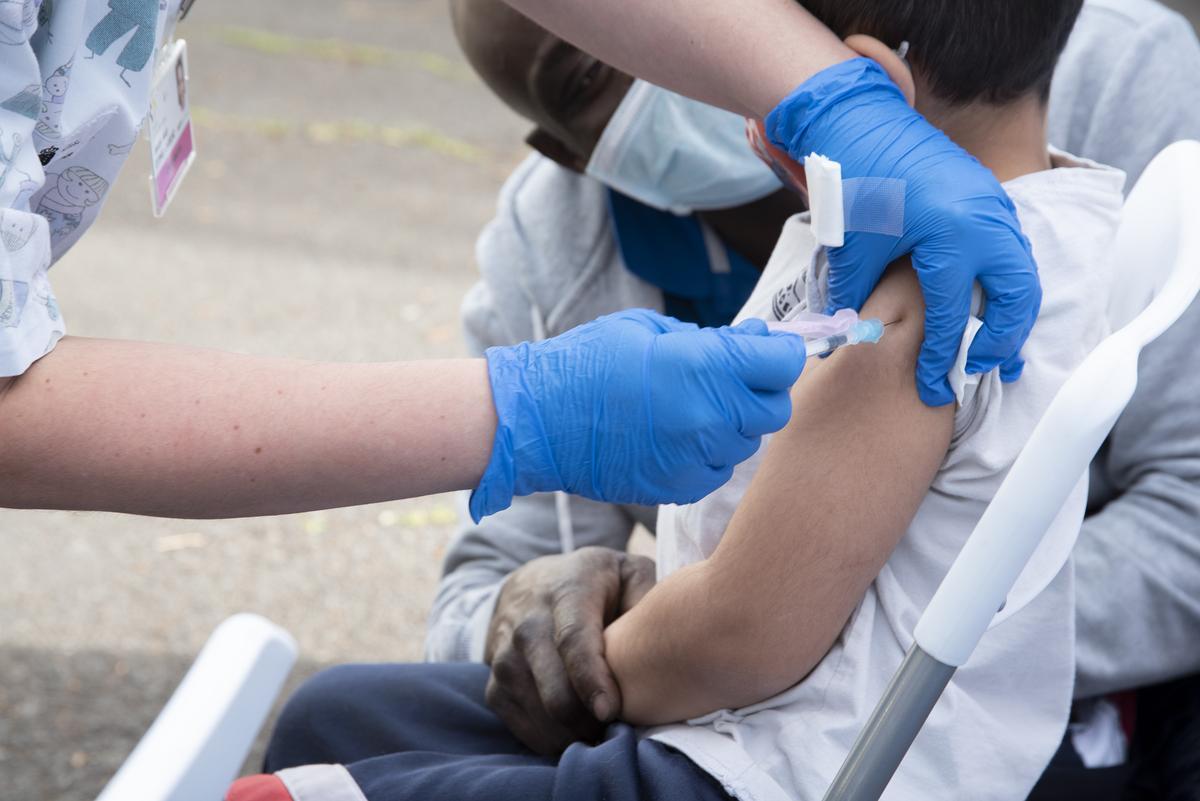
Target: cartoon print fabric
(17,18)
(74,88)
(49,121)
(139,16)
(68,196)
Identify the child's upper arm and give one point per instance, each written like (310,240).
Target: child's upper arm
(835,491)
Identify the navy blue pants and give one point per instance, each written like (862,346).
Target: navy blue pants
(423,733)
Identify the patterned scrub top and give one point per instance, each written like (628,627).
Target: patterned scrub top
(74,89)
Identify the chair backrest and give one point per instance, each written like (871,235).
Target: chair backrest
(1150,241)
(196,746)
(1160,239)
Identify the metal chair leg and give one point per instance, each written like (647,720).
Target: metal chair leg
(898,717)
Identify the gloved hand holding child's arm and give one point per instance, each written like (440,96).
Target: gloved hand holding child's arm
(958,223)
(634,408)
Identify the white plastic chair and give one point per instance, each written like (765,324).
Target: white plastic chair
(195,748)
(1157,252)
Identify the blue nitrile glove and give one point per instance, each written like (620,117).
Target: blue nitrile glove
(634,408)
(959,225)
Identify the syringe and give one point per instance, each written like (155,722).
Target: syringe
(862,331)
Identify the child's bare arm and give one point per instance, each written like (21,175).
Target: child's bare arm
(835,491)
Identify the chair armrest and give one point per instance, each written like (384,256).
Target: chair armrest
(196,746)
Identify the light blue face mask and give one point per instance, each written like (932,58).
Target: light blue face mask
(678,154)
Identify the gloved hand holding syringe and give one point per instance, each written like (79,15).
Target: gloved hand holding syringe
(823,334)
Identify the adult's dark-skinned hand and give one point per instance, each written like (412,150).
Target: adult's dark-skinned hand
(550,682)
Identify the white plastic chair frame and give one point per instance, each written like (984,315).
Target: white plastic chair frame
(1160,227)
(195,748)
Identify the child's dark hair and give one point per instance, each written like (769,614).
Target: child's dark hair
(990,50)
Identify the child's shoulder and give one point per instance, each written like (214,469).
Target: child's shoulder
(1070,215)
(1074,192)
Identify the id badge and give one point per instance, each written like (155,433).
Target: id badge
(172,143)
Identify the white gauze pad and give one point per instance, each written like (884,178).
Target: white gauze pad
(867,205)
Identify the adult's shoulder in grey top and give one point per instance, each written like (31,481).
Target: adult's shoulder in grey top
(1126,85)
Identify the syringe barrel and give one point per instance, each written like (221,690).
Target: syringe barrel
(824,345)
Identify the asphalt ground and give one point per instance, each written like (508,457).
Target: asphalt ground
(348,158)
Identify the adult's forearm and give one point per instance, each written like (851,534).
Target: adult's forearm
(180,432)
(1137,563)
(1137,585)
(745,56)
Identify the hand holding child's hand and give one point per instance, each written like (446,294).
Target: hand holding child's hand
(550,682)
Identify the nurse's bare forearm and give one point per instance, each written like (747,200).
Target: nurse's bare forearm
(745,56)
(181,432)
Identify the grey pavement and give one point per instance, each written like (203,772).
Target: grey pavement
(347,160)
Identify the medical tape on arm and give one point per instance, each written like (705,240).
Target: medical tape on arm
(865,205)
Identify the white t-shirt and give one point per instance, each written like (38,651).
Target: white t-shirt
(1004,713)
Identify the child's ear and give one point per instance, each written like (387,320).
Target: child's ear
(896,67)
(554,149)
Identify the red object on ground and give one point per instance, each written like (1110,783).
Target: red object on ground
(264,787)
